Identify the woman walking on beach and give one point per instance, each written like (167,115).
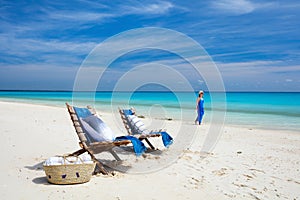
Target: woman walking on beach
(200,107)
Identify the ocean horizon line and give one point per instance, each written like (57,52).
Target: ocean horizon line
(162,91)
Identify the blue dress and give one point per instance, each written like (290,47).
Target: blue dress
(200,110)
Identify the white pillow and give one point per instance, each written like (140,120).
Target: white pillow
(100,131)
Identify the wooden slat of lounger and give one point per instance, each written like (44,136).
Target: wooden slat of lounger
(149,135)
(82,137)
(76,124)
(70,109)
(98,147)
(114,143)
(74,117)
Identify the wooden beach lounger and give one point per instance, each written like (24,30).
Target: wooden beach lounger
(93,147)
(134,128)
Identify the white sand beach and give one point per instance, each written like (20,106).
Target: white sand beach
(247,163)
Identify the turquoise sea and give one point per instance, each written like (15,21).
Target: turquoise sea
(250,109)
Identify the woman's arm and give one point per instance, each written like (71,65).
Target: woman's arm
(197,102)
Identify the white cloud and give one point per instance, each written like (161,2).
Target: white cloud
(104,13)
(17,46)
(148,9)
(147,74)
(234,6)
(79,16)
(26,76)
(22,50)
(257,67)
(238,7)
(260,76)
(25,41)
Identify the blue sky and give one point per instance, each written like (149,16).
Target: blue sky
(255,44)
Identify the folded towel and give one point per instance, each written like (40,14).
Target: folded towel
(138,147)
(60,160)
(54,161)
(85,157)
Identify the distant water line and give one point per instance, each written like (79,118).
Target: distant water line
(251,109)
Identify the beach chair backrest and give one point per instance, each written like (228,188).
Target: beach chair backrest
(132,123)
(136,124)
(125,122)
(77,125)
(89,127)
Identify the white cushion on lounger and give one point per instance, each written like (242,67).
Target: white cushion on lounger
(104,132)
(135,121)
(139,124)
(91,134)
(97,129)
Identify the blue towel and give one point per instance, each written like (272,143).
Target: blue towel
(82,112)
(127,112)
(166,138)
(138,147)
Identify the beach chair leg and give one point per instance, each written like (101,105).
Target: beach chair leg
(77,153)
(115,155)
(149,143)
(99,165)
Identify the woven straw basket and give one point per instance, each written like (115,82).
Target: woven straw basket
(69,173)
